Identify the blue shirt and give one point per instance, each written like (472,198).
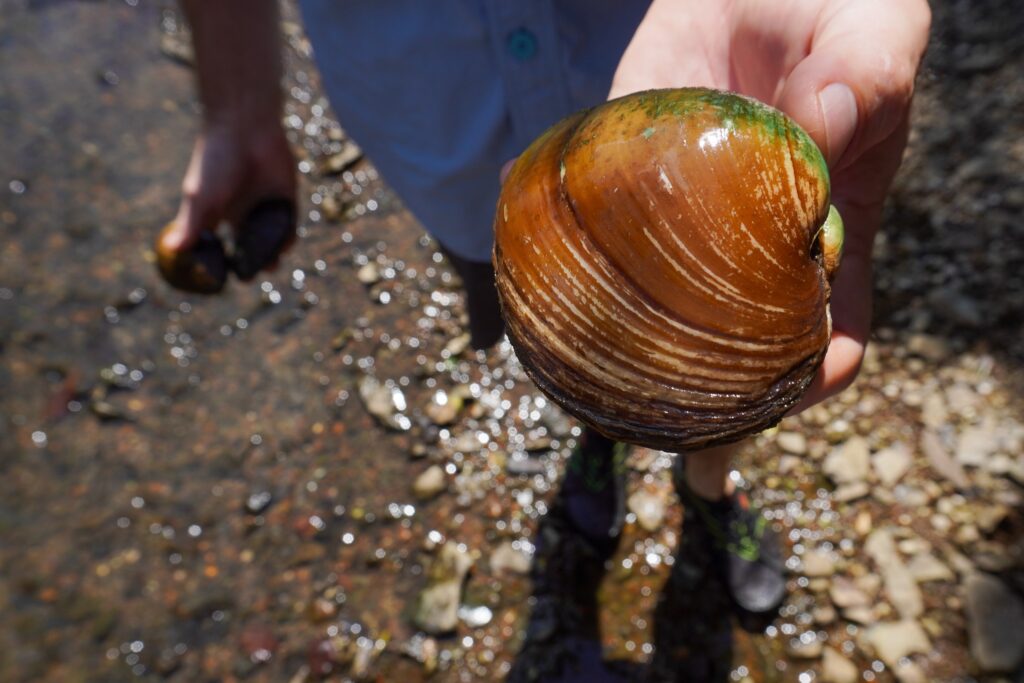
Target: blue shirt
(441,93)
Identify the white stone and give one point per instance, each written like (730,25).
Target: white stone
(835,668)
(926,567)
(507,559)
(977,444)
(897,639)
(818,563)
(430,483)
(793,443)
(892,463)
(849,462)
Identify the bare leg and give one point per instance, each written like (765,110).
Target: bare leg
(707,471)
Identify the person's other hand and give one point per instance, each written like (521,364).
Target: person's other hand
(842,69)
(233,167)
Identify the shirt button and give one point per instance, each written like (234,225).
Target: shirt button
(521,44)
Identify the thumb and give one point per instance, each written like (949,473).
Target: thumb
(210,181)
(829,116)
(853,89)
(187,224)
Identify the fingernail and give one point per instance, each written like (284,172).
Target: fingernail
(839,111)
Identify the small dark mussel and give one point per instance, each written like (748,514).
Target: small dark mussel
(203,269)
(266,231)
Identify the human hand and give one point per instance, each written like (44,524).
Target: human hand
(233,168)
(844,70)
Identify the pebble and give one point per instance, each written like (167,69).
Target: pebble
(444,409)
(507,559)
(367,651)
(384,403)
(851,492)
(835,668)
(910,672)
(989,517)
(437,611)
(860,614)
(649,509)
(845,593)
(890,464)
(928,347)
(940,460)
(368,274)
(848,463)
(977,444)
(793,443)
(838,431)
(895,640)
(798,649)
(789,463)
(824,615)
(862,524)
(475,616)
(258,501)
(900,585)
(925,567)
(458,344)
(430,483)
(933,411)
(995,623)
(818,563)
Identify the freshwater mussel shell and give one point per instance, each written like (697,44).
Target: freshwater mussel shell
(655,263)
(263,235)
(202,269)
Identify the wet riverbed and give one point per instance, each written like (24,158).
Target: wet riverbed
(260,485)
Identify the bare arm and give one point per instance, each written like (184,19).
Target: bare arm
(241,155)
(238,54)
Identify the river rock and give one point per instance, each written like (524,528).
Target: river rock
(800,649)
(437,611)
(850,492)
(910,672)
(384,403)
(430,483)
(835,668)
(933,411)
(849,462)
(507,559)
(927,346)
(977,444)
(793,443)
(897,639)
(860,614)
(818,563)
(845,593)
(900,586)
(926,567)
(940,460)
(890,464)
(995,626)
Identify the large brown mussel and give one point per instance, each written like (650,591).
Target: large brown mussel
(264,234)
(663,262)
